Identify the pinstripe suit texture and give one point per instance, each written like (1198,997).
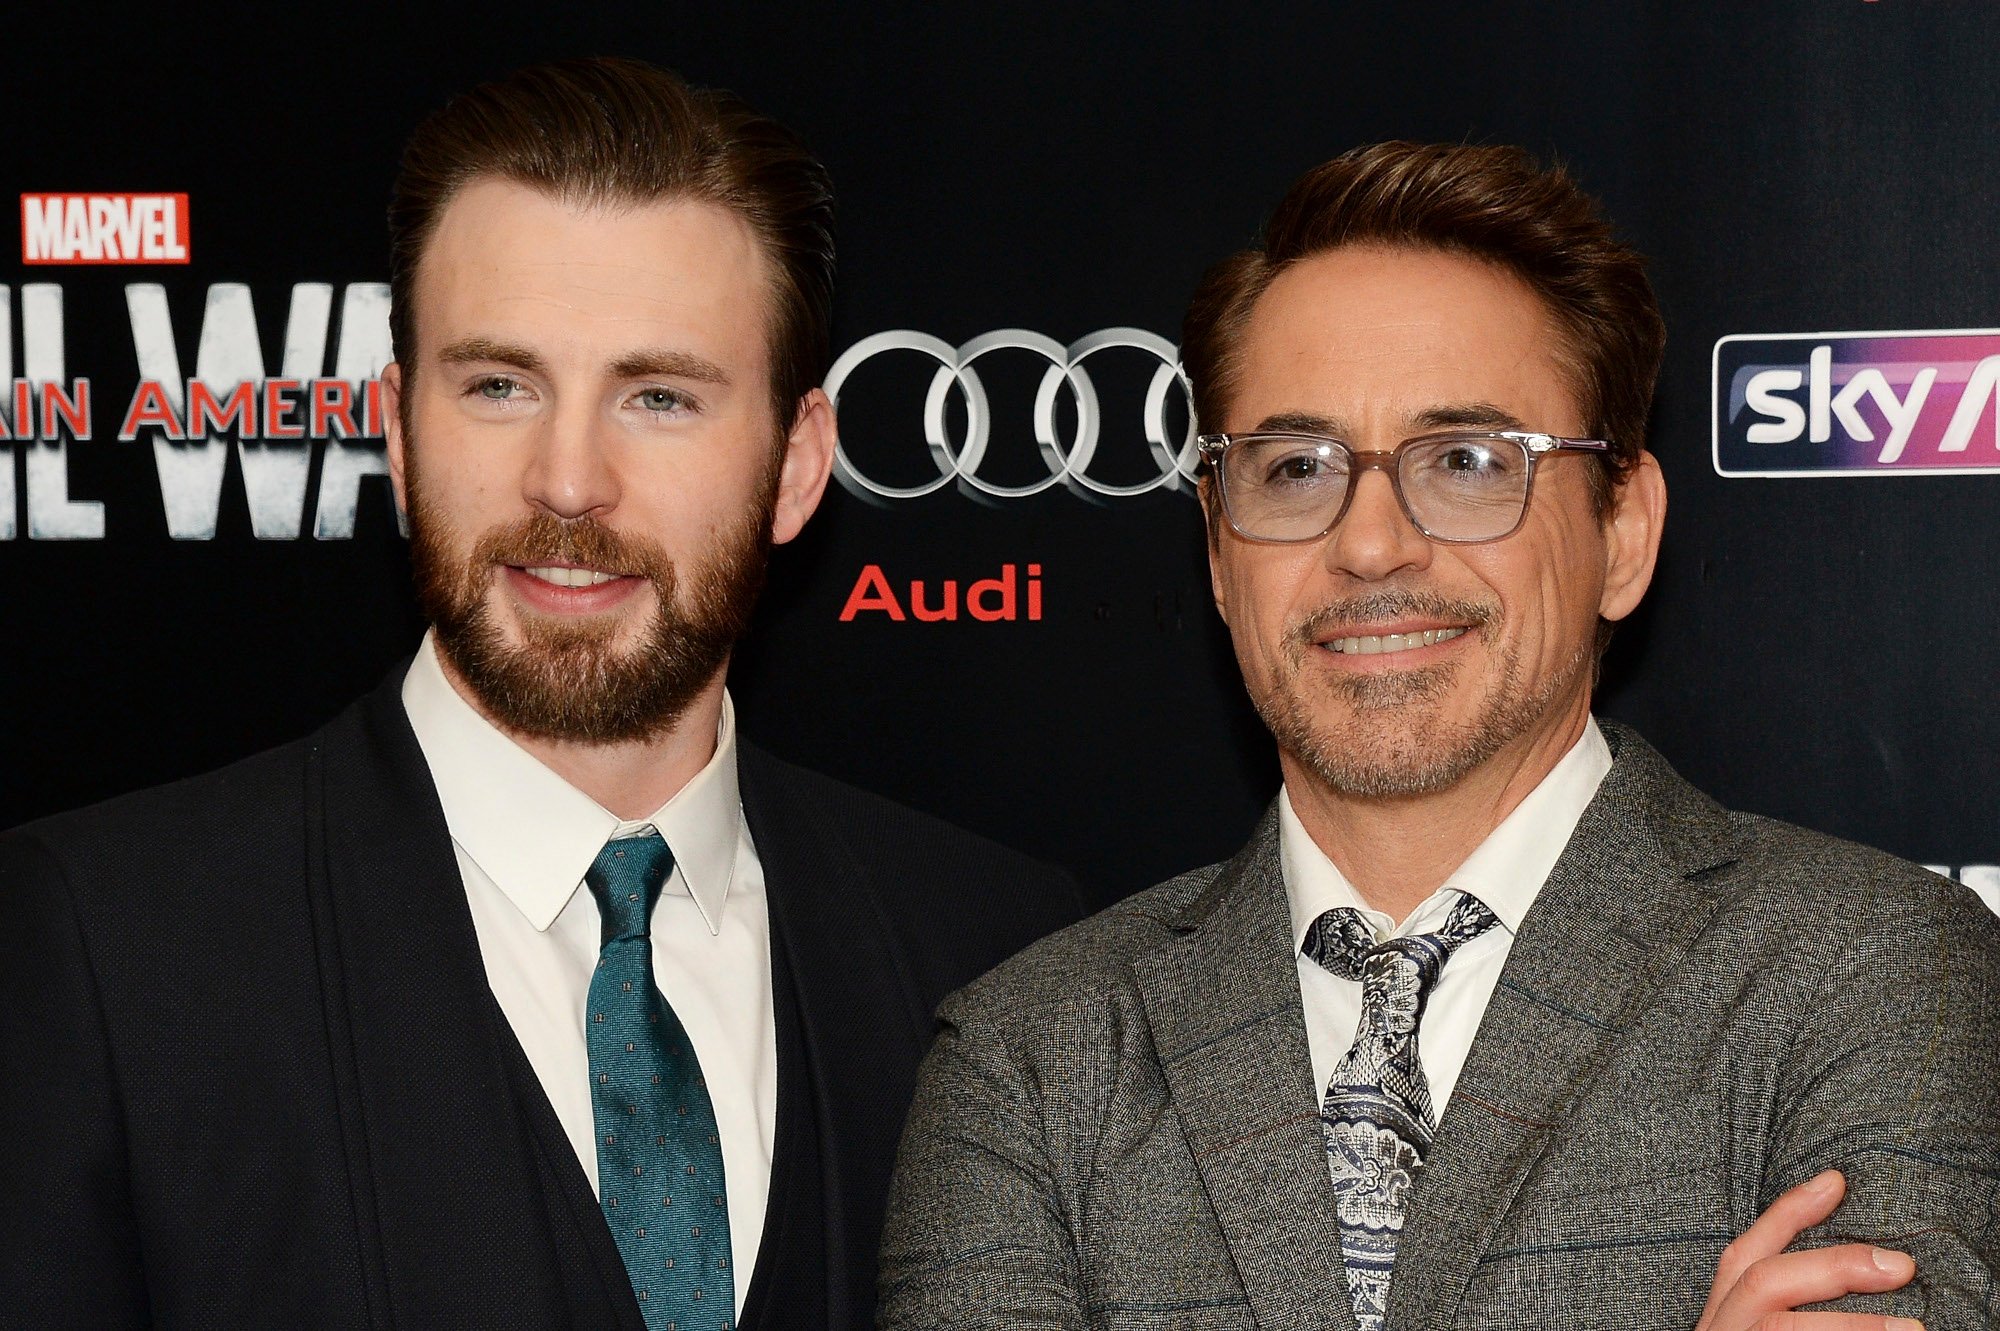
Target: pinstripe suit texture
(1117,1128)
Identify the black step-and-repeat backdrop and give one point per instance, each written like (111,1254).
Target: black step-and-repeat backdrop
(1002,612)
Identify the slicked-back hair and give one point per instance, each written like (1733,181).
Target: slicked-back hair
(607,131)
(1492,204)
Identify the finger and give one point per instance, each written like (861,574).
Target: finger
(1782,1282)
(1795,1211)
(1833,1322)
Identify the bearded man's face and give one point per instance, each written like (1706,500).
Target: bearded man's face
(592,678)
(584,443)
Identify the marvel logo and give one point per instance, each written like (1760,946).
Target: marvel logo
(104,228)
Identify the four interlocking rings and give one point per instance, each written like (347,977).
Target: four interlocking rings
(1068,462)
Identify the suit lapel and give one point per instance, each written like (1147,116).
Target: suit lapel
(440,1147)
(1613,921)
(1229,1027)
(862,1023)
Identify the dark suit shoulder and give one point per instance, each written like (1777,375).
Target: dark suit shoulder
(958,902)
(871,827)
(187,844)
(168,837)
(1088,964)
(166,895)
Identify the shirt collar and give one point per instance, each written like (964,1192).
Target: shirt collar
(533,833)
(1506,871)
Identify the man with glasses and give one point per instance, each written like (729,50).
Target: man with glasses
(1495,1022)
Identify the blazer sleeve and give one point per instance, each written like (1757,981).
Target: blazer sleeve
(977,1234)
(1895,1081)
(69,1248)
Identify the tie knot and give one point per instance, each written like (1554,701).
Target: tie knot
(1341,943)
(626,879)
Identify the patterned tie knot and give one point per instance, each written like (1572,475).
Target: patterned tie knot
(1341,943)
(626,879)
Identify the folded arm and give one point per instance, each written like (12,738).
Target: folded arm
(1895,1081)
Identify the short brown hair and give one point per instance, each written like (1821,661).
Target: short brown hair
(621,131)
(1495,204)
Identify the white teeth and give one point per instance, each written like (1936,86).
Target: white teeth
(571,577)
(1390,642)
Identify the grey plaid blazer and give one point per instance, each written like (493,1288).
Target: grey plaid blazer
(1118,1128)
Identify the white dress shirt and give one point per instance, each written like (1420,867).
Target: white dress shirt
(524,838)
(1506,872)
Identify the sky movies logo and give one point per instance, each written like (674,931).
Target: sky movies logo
(1857,404)
(104,228)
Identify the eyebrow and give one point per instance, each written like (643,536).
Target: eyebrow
(485,350)
(1449,416)
(668,365)
(647,364)
(1466,415)
(1300,422)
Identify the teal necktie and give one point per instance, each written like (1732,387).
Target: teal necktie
(659,1155)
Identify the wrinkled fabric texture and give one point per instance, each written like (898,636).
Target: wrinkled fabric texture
(1118,1130)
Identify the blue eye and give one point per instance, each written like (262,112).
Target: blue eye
(496,388)
(662,400)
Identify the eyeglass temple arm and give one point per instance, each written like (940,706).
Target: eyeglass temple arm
(1550,443)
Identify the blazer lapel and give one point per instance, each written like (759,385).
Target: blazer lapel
(1613,921)
(1229,1028)
(863,1025)
(442,1157)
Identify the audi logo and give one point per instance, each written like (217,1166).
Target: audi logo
(1068,461)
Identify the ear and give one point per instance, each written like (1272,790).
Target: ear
(1632,537)
(392,432)
(808,463)
(1210,501)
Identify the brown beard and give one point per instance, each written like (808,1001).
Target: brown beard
(1414,753)
(566,680)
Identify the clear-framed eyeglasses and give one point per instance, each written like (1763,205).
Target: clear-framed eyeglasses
(1457,487)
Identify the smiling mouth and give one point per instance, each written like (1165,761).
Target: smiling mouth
(1376,644)
(571,577)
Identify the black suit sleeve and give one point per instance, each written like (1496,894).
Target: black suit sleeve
(69,1249)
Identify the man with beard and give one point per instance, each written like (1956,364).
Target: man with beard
(525,993)
(1495,1022)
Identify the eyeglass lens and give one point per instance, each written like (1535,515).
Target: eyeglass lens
(1454,489)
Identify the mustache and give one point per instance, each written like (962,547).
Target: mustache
(543,539)
(1375,607)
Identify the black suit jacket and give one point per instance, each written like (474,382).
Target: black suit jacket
(251,1072)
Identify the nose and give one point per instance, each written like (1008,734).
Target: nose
(1375,539)
(571,473)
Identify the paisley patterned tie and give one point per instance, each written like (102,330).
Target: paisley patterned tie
(659,1154)
(1377,1117)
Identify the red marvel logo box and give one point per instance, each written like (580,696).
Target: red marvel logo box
(104,228)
